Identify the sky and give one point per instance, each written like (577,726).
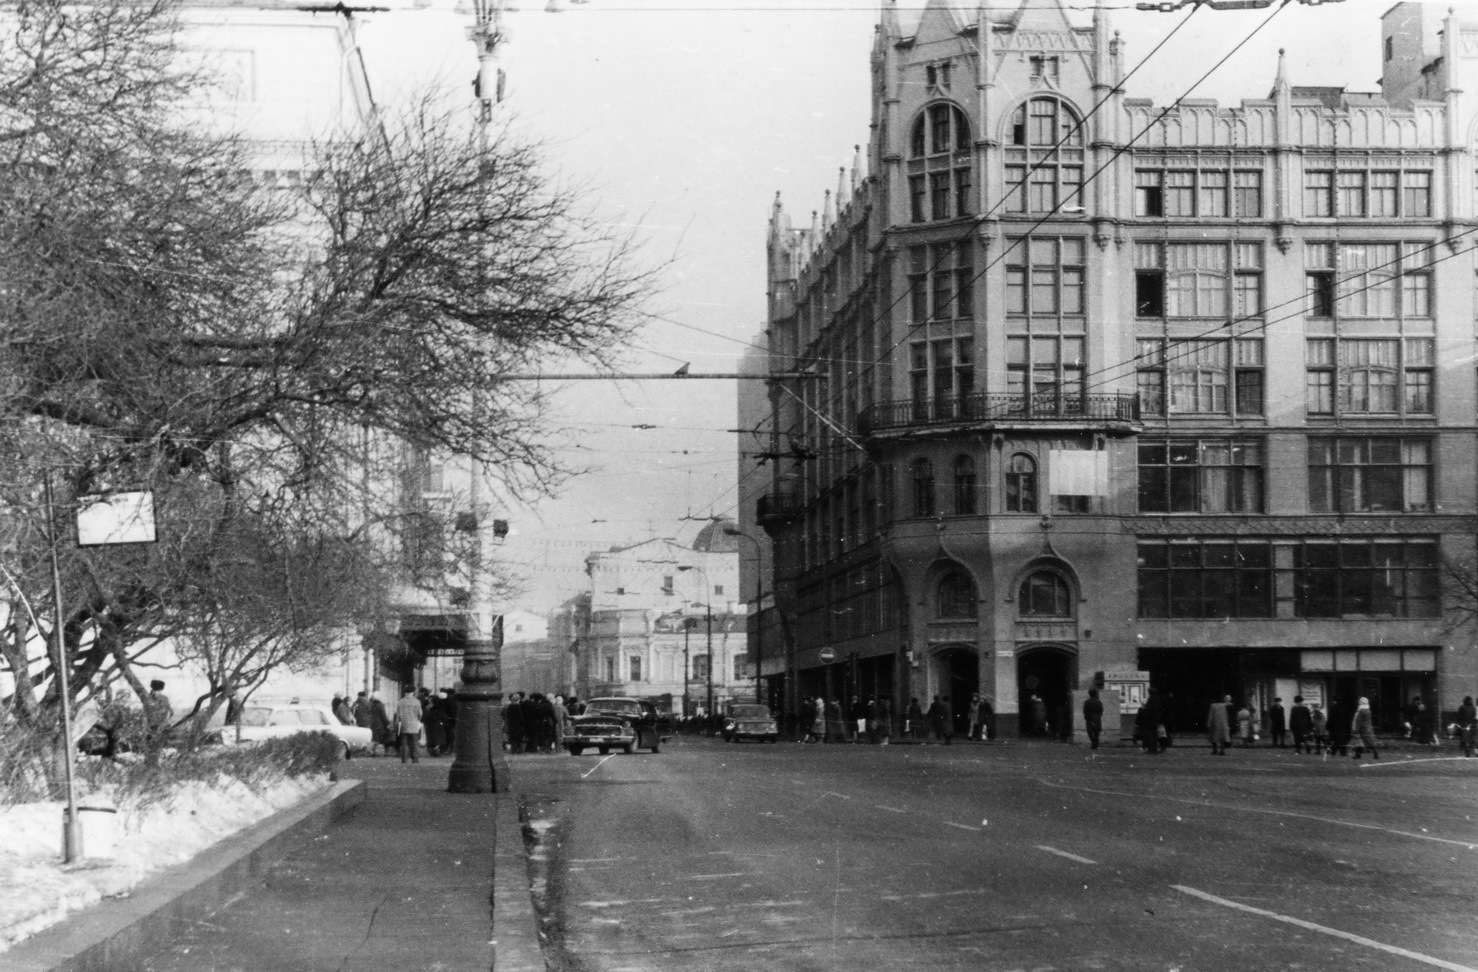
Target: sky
(681,120)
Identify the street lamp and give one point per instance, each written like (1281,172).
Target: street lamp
(759,611)
(708,613)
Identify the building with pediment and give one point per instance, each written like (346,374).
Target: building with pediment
(1130,393)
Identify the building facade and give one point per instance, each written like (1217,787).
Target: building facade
(662,620)
(1122,393)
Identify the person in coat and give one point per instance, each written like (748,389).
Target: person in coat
(1218,726)
(1245,726)
(834,731)
(380,733)
(340,709)
(1340,715)
(1467,725)
(408,724)
(1362,730)
(913,719)
(361,710)
(1147,722)
(513,730)
(1320,721)
(1093,717)
(885,720)
(1301,724)
(1037,711)
(561,722)
(817,730)
(1277,722)
(941,720)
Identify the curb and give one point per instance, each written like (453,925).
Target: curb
(516,942)
(114,934)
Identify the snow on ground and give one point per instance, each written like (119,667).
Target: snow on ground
(39,890)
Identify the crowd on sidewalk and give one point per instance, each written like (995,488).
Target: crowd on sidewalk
(1346,729)
(419,716)
(872,720)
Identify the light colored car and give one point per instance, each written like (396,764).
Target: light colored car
(270,720)
(749,722)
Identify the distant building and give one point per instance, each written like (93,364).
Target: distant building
(653,612)
(1180,395)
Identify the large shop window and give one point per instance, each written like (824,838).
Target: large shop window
(1044,158)
(1206,280)
(1200,476)
(1390,281)
(939,164)
(1205,193)
(1045,594)
(1203,376)
(1366,578)
(1205,578)
(956,596)
(1358,474)
(1370,376)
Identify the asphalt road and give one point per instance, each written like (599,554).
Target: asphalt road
(1006,856)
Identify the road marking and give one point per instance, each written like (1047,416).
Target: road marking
(890,809)
(1063,853)
(598,765)
(1384,764)
(951,823)
(1299,922)
(1469,844)
(709,877)
(934,894)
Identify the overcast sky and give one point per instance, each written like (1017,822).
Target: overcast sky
(684,119)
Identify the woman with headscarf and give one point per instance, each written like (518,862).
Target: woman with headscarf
(380,732)
(1362,729)
(1467,724)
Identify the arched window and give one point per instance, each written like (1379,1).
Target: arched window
(939,165)
(964,474)
(1044,158)
(1044,594)
(956,596)
(923,488)
(1021,484)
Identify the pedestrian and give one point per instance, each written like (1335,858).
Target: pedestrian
(1245,729)
(438,740)
(1319,726)
(987,719)
(872,720)
(972,712)
(1340,715)
(380,734)
(1147,722)
(885,720)
(157,715)
(834,722)
(340,709)
(1302,725)
(913,719)
(1467,725)
(1277,722)
(941,720)
(1218,726)
(561,722)
(1093,717)
(513,723)
(408,724)
(546,717)
(361,710)
(856,720)
(1362,730)
(1422,728)
(1038,716)
(817,725)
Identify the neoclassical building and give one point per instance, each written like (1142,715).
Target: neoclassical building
(1107,390)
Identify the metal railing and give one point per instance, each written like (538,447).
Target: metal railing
(982,407)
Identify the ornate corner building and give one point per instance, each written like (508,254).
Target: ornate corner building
(1100,387)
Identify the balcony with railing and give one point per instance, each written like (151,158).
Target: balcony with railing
(779,507)
(1089,411)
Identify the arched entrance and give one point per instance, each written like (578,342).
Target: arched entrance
(956,674)
(1046,674)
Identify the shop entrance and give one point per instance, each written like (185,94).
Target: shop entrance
(1044,680)
(957,674)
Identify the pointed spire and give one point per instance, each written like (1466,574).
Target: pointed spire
(1280,80)
(814,235)
(856,168)
(890,28)
(842,196)
(828,212)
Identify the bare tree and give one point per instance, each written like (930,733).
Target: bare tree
(166,322)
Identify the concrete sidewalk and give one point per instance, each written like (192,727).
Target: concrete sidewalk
(412,878)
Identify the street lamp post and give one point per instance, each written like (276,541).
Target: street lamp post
(759,611)
(687,630)
(708,613)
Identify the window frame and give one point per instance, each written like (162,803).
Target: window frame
(1342,483)
(1190,486)
(941,156)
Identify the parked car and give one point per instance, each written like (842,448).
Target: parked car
(270,720)
(624,724)
(749,722)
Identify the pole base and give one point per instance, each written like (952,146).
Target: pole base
(478,779)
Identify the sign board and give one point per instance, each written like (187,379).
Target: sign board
(828,654)
(1312,689)
(1133,687)
(110,518)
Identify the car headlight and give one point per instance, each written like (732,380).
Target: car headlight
(730,727)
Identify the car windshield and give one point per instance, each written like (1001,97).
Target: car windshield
(256,717)
(749,712)
(621,707)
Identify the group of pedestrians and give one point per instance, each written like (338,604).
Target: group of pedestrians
(535,723)
(419,715)
(871,720)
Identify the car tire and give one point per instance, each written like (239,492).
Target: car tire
(348,753)
(604,750)
(628,748)
(656,743)
(575,750)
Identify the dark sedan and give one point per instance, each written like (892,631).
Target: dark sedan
(607,724)
(749,722)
